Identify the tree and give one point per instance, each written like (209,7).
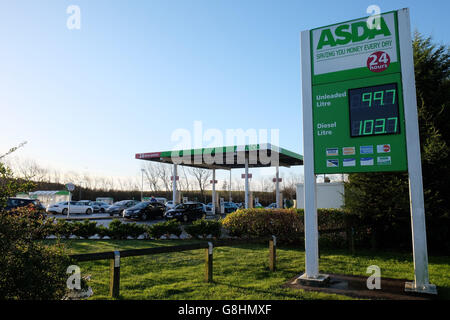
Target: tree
(202,177)
(381,200)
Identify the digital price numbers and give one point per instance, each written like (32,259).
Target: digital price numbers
(374,111)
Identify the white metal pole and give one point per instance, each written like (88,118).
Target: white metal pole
(246,182)
(277,186)
(419,233)
(68,204)
(311,231)
(142,186)
(214,192)
(174,184)
(230,186)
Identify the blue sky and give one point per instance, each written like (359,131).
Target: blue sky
(87,100)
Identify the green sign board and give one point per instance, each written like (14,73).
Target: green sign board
(357,98)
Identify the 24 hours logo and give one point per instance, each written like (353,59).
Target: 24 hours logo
(378,61)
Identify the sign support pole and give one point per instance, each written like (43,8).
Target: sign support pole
(246,183)
(277,186)
(214,191)
(311,274)
(419,235)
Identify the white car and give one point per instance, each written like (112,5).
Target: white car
(169,205)
(75,207)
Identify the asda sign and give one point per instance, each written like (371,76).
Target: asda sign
(356,45)
(355,32)
(357,97)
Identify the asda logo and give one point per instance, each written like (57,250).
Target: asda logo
(355,32)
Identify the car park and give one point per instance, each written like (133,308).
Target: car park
(103,206)
(118,207)
(75,207)
(144,211)
(185,212)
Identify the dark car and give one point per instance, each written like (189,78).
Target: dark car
(186,212)
(230,207)
(14,203)
(118,207)
(145,210)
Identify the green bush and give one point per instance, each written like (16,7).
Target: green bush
(63,229)
(134,230)
(117,230)
(85,229)
(29,270)
(102,231)
(167,228)
(285,224)
(203,228)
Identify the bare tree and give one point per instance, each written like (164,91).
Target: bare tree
(202,177)
(152,175)
(164,174)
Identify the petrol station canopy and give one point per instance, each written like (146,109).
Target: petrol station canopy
(227,158)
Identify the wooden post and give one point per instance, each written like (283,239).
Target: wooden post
(114,275)
(272,253)
(209,263)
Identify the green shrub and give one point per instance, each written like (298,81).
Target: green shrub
(203,228)
(134,230)
(102,231)
(63,229)
(167,228)
(29,270)
(85,229)
(117,230)
(285,224)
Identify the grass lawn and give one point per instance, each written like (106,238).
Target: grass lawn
(240,272)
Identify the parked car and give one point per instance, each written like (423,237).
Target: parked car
(185,212)
(13,203)
(91,203)
(169,205)
(103,206)
(145,210)
(272,206)
(230,207)
(75,207)
(118,207)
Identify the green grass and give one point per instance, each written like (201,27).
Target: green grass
(240,272)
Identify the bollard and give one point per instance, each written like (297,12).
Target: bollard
(209,263)
(272,253)
(114,275)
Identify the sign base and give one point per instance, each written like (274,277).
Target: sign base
(322,280)
(426,289)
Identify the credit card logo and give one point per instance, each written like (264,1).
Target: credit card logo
(366,162)
(349,163)
(348,151)
(332,152)
(384,161)
(366,150)
(333,163)
(383,148)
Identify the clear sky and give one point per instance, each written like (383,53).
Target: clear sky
(87,100)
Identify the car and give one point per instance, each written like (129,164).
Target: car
(75,207)
(272,206)
(119,206)
(230,207)
(169,205)
(145,210)
(91,203)
(103,206)
(14,203)
(185,212)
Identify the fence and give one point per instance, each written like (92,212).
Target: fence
(115,256)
